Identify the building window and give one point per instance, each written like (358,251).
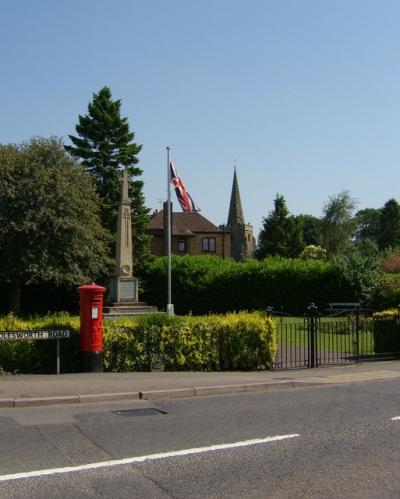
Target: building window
(208,244)
(182,245)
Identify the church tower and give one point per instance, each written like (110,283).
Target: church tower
(242,239)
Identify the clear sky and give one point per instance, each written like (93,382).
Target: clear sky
(301,95)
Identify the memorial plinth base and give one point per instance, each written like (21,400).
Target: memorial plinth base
(123,289)
(120,309)
(123,299)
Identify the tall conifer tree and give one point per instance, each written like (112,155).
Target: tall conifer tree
(105,145)
(281,233)
(389,235)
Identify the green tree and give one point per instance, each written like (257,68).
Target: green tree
(312,252)
(361,273)
(389,234)
(368,223)
(363,247)
(281,234)
(105,144)
(337,223)
(49,217)
(310,228)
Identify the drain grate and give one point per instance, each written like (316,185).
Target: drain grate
(140,412)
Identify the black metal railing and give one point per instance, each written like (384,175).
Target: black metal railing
(314,340)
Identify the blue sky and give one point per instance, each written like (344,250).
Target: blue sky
(303,96)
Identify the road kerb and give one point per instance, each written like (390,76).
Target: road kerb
(218,389)
(160,394)
(33,402)
(264,386)
(270,386)
(108,397)
(6,403)
(251,387)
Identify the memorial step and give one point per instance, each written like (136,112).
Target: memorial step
(121,310)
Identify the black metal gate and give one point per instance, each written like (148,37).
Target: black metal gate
(315,341)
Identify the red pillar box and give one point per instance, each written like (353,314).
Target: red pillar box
(91,337)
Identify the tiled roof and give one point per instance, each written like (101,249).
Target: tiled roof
(182,223)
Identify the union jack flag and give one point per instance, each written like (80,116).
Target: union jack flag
(183,196)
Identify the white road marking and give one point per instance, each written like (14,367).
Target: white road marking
(396,418)
(141,459)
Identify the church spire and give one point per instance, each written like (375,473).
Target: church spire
(235,215)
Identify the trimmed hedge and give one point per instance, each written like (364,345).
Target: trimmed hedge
(34,357)
(387,331)
(215,342)
(203,284)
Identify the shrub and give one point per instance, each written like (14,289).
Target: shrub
(391,313)
(391,262)
(359,275)
(313,252)
(30,356)
(387,331)
(209,284)
(214,342)
(246,341)
(130,343)
(387,295)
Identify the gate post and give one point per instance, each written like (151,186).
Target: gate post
(357,340)
(312,310)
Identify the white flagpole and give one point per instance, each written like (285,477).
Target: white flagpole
(170,306)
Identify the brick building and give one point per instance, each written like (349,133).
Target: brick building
(192,234)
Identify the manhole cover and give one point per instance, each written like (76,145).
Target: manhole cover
(140,412)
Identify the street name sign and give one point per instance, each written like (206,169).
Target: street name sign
(44,334)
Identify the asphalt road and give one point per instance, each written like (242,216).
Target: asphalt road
(337,441)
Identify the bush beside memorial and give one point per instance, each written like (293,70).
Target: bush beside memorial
(242,340)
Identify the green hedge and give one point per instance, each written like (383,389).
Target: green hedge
(214,342)
(30,356)
(203,284)
(387,331)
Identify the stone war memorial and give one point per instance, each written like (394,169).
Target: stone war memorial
(123,298)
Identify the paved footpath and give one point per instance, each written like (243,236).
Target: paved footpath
(31,390)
